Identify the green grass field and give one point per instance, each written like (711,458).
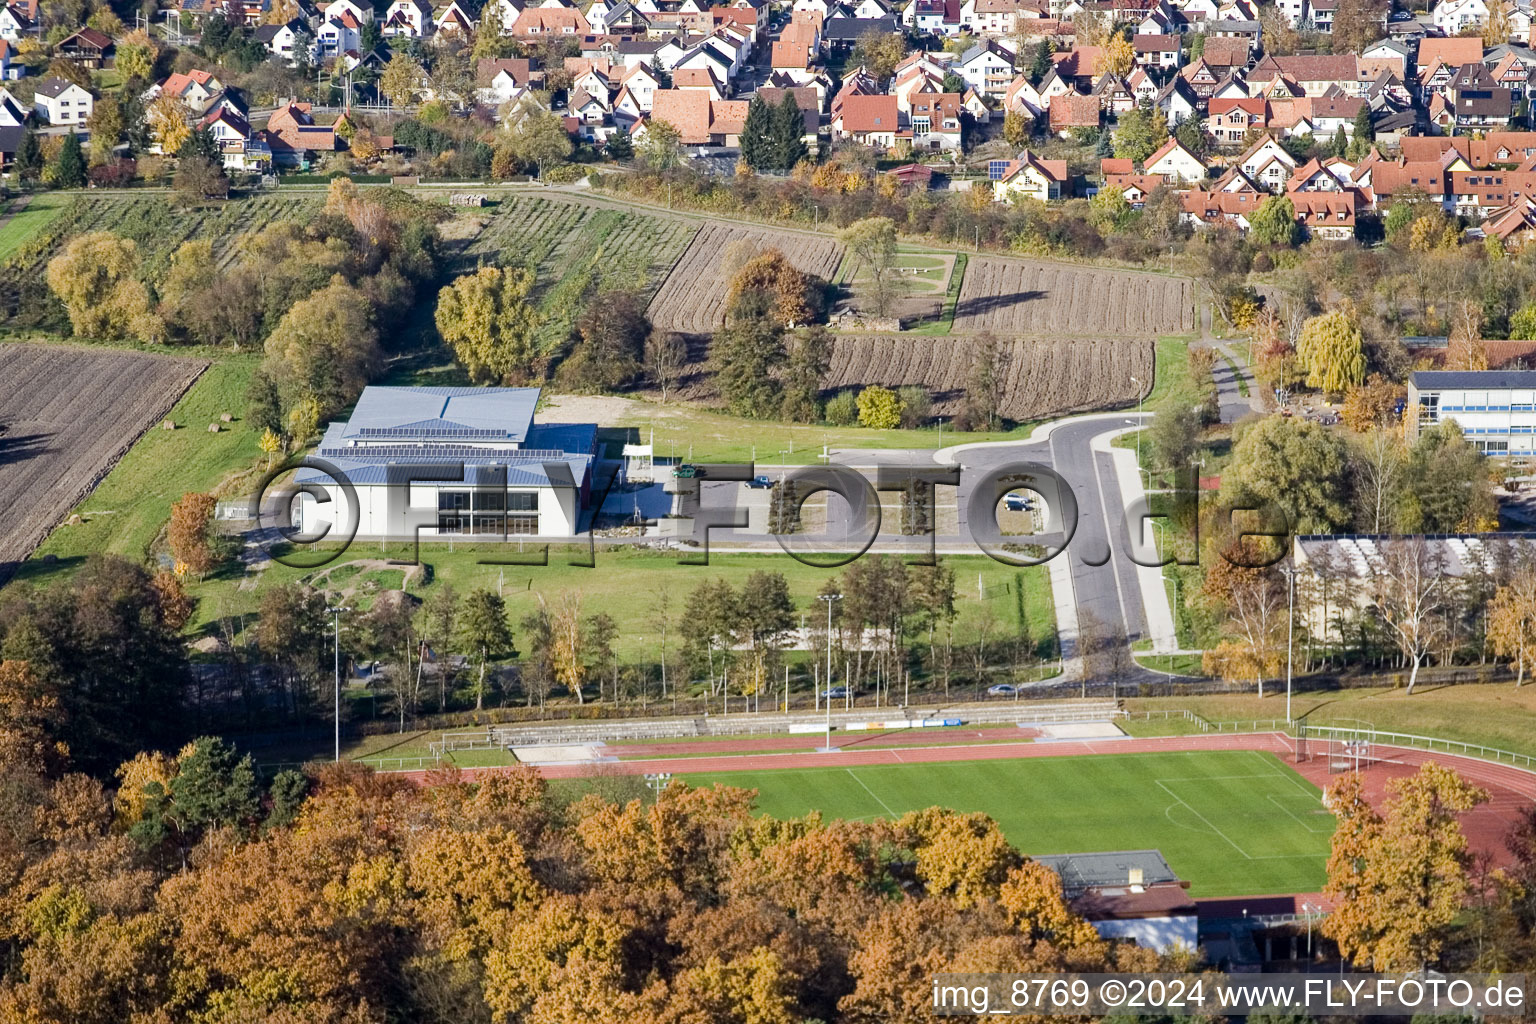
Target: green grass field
(37,214)
(1232,823)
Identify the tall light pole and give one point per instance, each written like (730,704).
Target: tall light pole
(829,598)
(336,656)
(1290,634)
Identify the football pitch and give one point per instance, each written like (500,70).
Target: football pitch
(1232,823)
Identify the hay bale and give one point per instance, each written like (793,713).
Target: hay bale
(225,417)
(213,428)
(167,424)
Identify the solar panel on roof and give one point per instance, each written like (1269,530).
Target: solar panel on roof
(996,169)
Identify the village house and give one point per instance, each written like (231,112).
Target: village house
(292,42)
(63,103)
(88,48)
(869,120)
(1028,176)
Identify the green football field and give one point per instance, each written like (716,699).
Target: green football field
(1232,823)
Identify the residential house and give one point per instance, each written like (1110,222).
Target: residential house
(1479,101)
(1113,94)
(1230,120)
(534,22)
(458,18)
(699,120)
(88,48)
(15,24)
(1450,52)
(360,11)
(338,35)
(62,102)
(1160,51)
(870,120)
(12,113)
(1177,101)
(294,138)
(1267,163)
(809,102)
(935,121)
(238,147)
(1023,97)
(10,69)
(1202,77)
(1314,75)
(409,18)
(291,43)
(986,67)
(198,89)
(1175,163)
(1451,17)
(842,34)
(1074,111)
(1030,177)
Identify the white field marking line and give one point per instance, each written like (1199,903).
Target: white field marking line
(1203,818)
(1316,831)
(871,792)
(1168,813)
(1218,778)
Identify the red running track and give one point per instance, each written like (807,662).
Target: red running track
(1512,790)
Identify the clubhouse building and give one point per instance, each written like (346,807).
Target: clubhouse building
(454,463)
(1495,409)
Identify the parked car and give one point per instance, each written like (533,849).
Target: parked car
(1016,502)
(838,693)
(1002,690)
(760,483)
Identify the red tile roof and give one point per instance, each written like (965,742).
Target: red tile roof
(870,114)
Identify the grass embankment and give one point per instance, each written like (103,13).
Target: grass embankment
(627,583)
(128,510)
(38,213)
(1497,715)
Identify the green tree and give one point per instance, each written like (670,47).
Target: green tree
(620,146)
(1041,63)
(484,629)
(325,347)
(745,354)
(29,157)
(1175,431)
(1140,132)
(756,135)
(879,408)
(1274,222)
(541,139)
(69,165)
(810,356)
(880,52)
(842,409)
(788,133)
(96,277)
(1296,466)
(1365,131)
(1522,324)
(872,241)
(662,148)
(1446,488)
(106,126)
(485,317)
(1332,350)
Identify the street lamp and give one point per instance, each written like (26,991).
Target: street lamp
(336,656)
(657,781)
(1307,908)
(829,598)
(1290,634)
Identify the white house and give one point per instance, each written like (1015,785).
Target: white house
(409,18)
(339,35)
(62,102)
(1173,161)
(1452,16)
(451,462)
(15,25)
(337,8)
(1495,409)
(986,67)
(292,43)
(1028,176)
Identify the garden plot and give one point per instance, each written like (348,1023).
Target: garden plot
(1027,297)
(692,299)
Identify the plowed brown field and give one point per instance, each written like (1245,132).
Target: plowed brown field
(692,299)
(68,414)
(1046,377)
(1020,297)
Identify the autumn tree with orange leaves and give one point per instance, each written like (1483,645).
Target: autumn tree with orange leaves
(1399,878)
